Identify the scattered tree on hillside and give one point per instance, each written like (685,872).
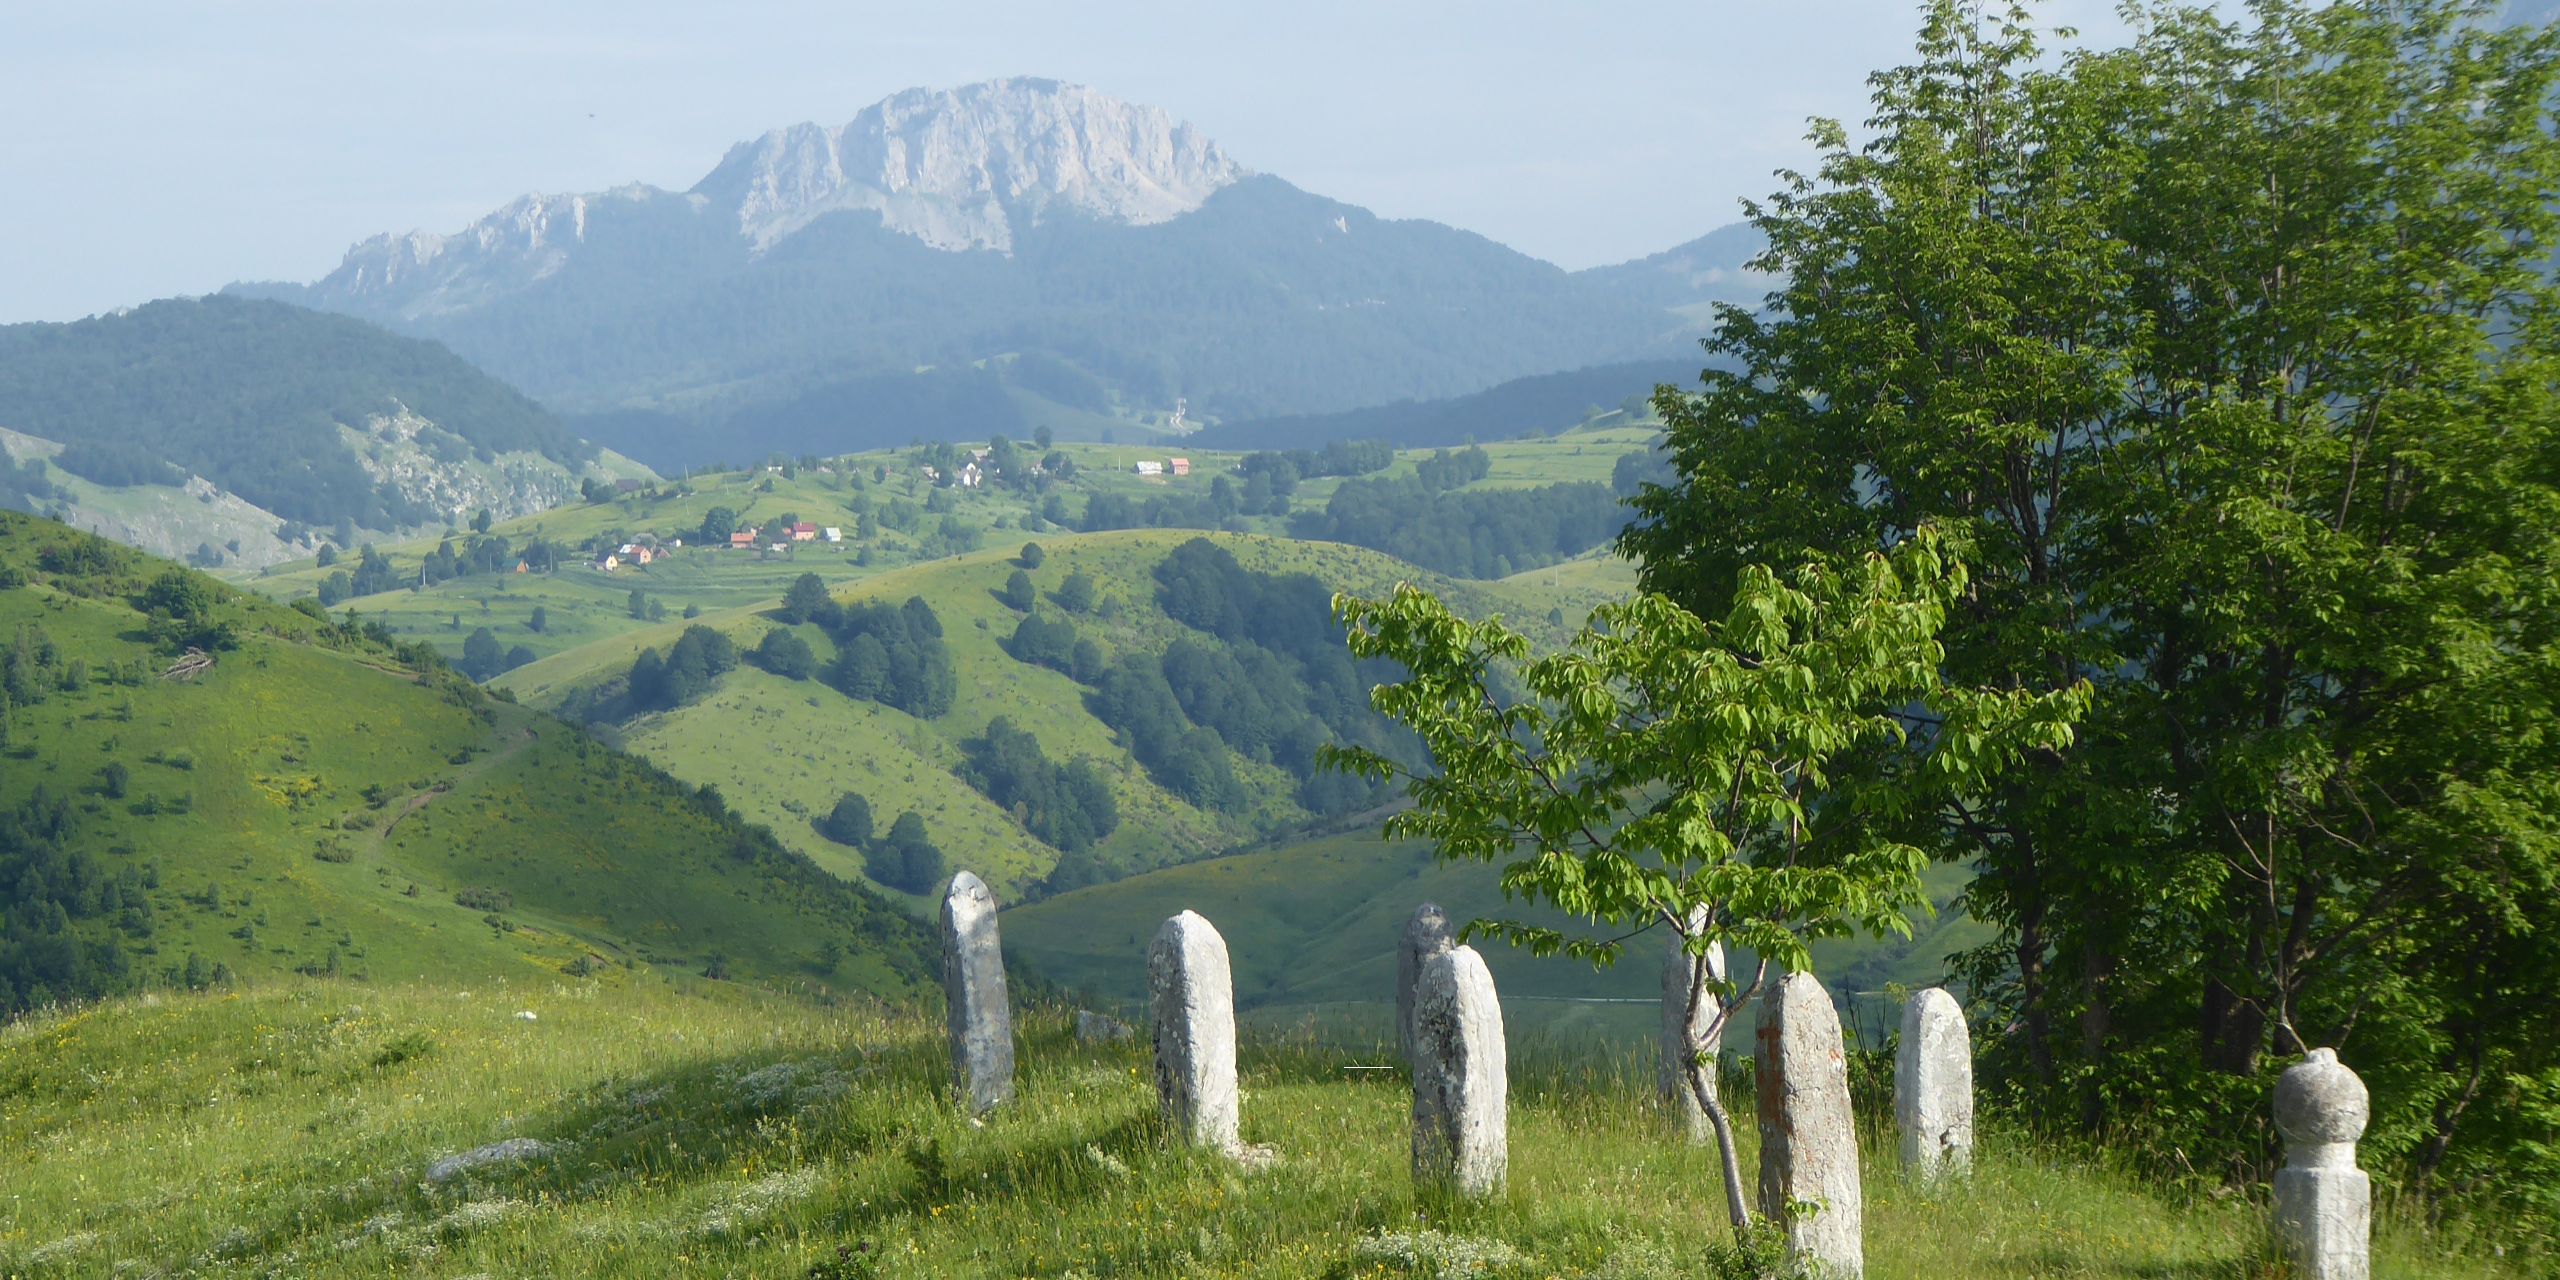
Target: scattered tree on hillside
(1075,595)
(1032,555)
(807,600)
(1019,594)
(905,858)
(849,822)
(1070,807)
(785,654)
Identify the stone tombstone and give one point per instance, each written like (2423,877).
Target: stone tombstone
(1191,1006)
(1461,1080)
(981,1020)
(1426,934)
(2324,1204)
(1808,1141)
(1933,1087)
(1686,1032)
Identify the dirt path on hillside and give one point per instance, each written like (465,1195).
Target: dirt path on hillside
(508,749)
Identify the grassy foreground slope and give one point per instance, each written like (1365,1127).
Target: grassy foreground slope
(315,801)
(1311,932)
(292,1130)
(781,750)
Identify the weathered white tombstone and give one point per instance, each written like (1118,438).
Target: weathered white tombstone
(1191,1005)
(1461,1079)
(1933,1087)
(2324,1204)
(1808,1141)
(1426,934)
(981,1019)
(1687,1031)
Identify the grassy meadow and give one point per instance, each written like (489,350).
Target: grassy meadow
(294,1130)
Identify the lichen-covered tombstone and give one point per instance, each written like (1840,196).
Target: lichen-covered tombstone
(1808,1140)
(1191,1008)
(980,1015)
(2324,1203)
(1461,1079)
(1933,1087)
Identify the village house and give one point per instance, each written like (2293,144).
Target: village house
(1150,468)
(608,564)
(804,532)
(832,534)
(970,475)
(1179,466)
(743,540)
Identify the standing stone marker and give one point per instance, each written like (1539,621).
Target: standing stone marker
(1808,1142)
(2324,1204)
(981,1019)
(1933,1087)
(1426,934)
(1461,1080)
(1685,1033)
(1191,1003)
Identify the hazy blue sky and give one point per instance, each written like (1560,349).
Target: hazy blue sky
(155,149)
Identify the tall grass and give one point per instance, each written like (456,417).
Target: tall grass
(291,1130)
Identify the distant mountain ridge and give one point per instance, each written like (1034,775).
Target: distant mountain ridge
(309,419)
(1015,227)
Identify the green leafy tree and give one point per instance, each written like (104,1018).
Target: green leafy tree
(807,600)
(1032,555)
(638,604)
(1019,593)
(2233,353)
(849,822)
(1741,783)
(1075,595)
(481,656)
(480,521)
(540,621)
(717,524)
(785,654)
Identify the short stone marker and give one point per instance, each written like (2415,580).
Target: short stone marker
(1461,1078)
(981,1019)
(1426,934)
(1686,1033)
(1099,1028)
(1191,1006)
(1808,1141)
(1933,1087)
(2324,1204)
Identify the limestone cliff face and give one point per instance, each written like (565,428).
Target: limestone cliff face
(955,168)
(960,169)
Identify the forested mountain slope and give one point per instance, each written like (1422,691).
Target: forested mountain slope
(324,422)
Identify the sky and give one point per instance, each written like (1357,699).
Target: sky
(156,149)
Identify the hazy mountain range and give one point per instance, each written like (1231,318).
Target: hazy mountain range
(987,259)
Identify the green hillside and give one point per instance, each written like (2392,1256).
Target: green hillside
(291,1132)
(321,800)
(889,522)
(1311,931)
(782,751)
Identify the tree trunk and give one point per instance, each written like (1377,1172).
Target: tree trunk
(1737,1207)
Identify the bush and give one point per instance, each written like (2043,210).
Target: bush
(849,823)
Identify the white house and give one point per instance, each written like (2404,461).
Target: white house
(832,534)
(1151,468)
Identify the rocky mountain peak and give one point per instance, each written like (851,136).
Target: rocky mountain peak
(955,167)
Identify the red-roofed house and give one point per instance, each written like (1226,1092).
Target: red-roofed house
(804,532)
(742,540)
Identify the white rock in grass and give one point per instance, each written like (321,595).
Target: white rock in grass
(1191,1008)
(1808,1140)
(1461,1079)
(979,1014)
